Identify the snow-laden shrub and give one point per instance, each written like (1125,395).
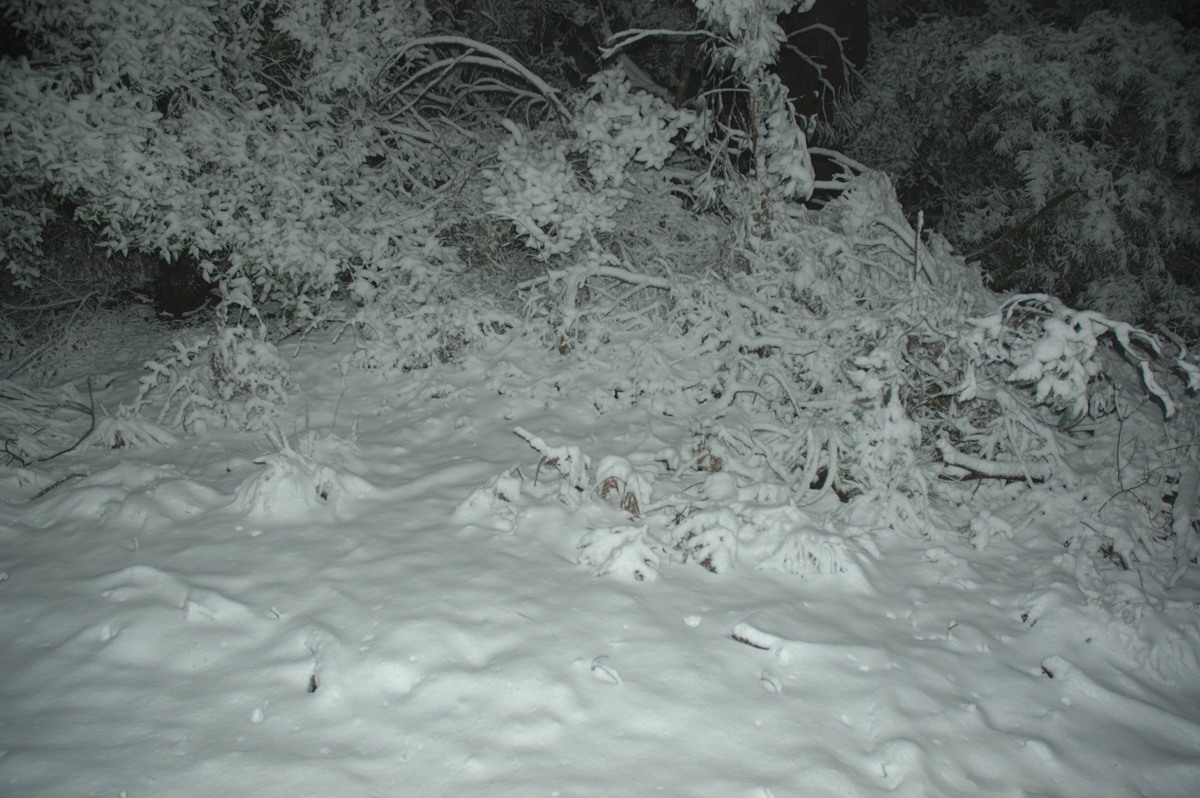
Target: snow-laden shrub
(417,304)
(1054,351)
(36,423)
(288,196)
(343,45)
(574,468)
(559,191)
(537,189)
(24,213)
(37,426)
(750,28)
(494,504)
(757,129)
(746,117)
(1063,158)
(1107,110)
(293,484)
(623,551)
(231,376)
(821,311)
(294,145)
(299,151)
(857,372)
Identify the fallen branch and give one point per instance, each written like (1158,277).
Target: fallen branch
(42,493)
(978,468)
(91,409)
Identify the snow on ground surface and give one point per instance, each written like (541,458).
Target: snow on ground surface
(185,621)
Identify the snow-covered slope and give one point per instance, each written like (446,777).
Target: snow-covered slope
(391,603)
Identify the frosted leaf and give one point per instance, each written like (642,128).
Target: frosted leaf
(709,538)
(619,484)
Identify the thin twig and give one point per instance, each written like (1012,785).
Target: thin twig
(35,354)
(91,410)
(491,57)
(41,493)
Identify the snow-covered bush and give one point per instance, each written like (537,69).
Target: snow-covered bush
(24,213)
(559,191)
(624,551)
(37,426)
(295,481)
(1054,351)
(536,188)
(231,376)
(421,304)
(34,424)
(1062,157)
(295,150)
(757,123)
(295,145)
(856,372)
(750,29)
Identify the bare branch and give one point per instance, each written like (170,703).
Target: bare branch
(627,38)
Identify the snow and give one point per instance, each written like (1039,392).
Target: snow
(388,596)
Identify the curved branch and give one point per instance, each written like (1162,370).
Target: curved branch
(491,57)
(840,159)
(627,38)
(998,469)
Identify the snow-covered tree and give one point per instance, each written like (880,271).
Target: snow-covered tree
(213,128)
(294,149)
(1062,156)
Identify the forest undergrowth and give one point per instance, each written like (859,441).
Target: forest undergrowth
(844,371)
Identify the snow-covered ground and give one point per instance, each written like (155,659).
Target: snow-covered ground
(394,605)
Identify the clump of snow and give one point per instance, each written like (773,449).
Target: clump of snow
(625,551)
(290,486)
(494,502)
